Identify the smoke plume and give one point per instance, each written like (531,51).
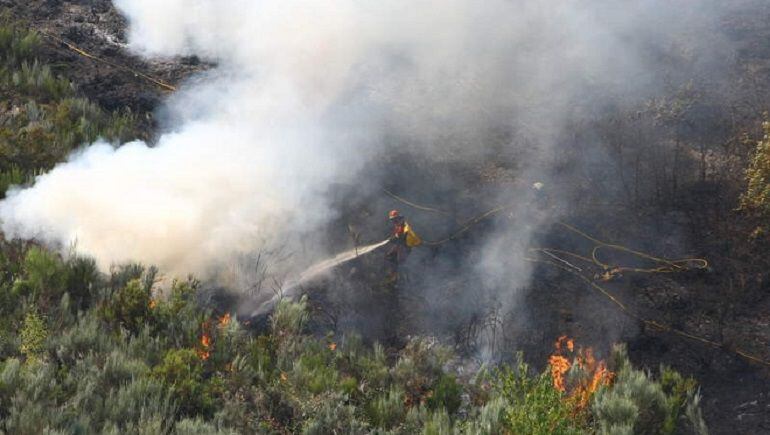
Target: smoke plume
(306,94)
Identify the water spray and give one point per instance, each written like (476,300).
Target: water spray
(314,271)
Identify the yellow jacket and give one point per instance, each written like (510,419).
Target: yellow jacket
(412,239)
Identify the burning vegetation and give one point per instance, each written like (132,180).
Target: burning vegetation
(434,345)
(577,374)
(204,349)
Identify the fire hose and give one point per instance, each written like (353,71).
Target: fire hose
(666,265)
(115,65)
(555,259)
(464,226)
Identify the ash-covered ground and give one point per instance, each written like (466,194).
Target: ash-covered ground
(666,182)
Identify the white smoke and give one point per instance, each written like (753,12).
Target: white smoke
(302,96)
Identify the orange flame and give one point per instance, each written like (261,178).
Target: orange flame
(205,341)
(224,320)
(204,352)
(592,373)
(559,367)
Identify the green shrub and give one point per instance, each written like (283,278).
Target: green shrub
(695,415)
(198,426)
(348,385)
(120,368)
(446,394)
(122,274)
(261,357)
(313,373)
(82,281)
(37,80)
(178,316)
(86,336)
(490,419)
(372,367)
(10,379)
(387,410)
(17,45)
(679,393)
(535,406)
(289,319)
(182,371)
(130,306)
(438,423)
(33,404)
(48,120)
(638,404)
(334,416)
(419,366)
(45,276)
(757,194)
(45,132)
(11,177)
(33,336)
(134,364)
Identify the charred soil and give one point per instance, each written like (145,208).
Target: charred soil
(659,212)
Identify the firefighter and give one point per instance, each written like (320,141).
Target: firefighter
(402,240)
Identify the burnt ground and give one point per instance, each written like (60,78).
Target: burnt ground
(736,391)
(95,27)
(720,304)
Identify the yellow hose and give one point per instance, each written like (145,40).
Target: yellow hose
(666,266)
(88,55)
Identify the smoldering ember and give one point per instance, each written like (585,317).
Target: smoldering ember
(400,217)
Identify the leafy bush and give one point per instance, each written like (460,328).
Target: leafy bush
(33,336)
(45,276)
(17,45)
(136,361)
(46,120)
(87,335)
(130,306)
(755,200)
(82,281)
(178,315)
(757,194)
(637,404)
(535,406)
(38,80)
(198,426)
(490,419)
(182,370)
(10,177)
(420,365)
(387,410)
(446,394)
(313,371)
(334,416)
